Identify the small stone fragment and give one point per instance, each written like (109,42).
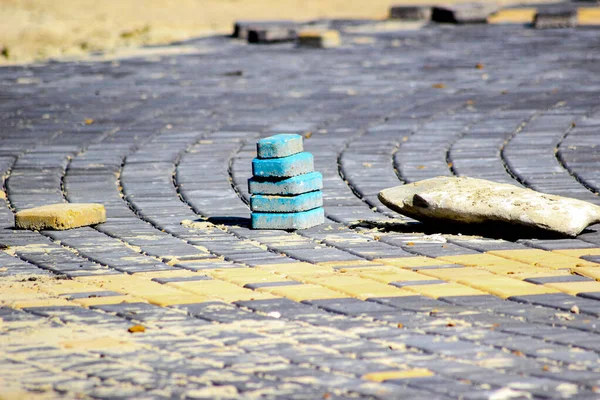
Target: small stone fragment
(555,18)
(282,145)
(477,201)
(61,216)
(298,164)
(136,329)
(575,309)
(280,204)
(410,13)
(319,39)
(299,220)
(287,186)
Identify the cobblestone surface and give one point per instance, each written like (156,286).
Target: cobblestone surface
(369,305)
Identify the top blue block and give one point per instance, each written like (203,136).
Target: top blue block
(281,145)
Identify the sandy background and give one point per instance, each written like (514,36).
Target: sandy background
(34,30)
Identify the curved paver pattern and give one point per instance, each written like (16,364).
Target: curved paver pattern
(369,305)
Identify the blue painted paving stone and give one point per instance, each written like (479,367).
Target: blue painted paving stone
(282,145)
(277,204)
(287,186)
(298,164)
(299,220)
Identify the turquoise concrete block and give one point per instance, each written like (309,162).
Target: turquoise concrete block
(298,164)
(282,145)
(286,186)
(288,221)
(277,204)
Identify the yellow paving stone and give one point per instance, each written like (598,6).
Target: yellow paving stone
(49,302)
(59,287)
(304,292)
(358,287)
(346,263)
(505,287)
(387,275)
(513,16)
(489,262)
(409,262)
(590,272)
(174,273)
(542,274)
(575,288)
(444,290)
(595,251)
(400,374)
(243,276)
(220,290)
(106,300)
(454,274)
(60,216)
(588,16)
(165,300)
(542,258)
(150,291)
(96,343)
(485,281)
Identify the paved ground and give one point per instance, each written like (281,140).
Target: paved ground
(368,305)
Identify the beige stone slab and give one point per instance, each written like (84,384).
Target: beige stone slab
(61,216)
(476,201)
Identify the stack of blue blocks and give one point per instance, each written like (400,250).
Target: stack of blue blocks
(286,192)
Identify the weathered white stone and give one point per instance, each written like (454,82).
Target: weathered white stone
(468,200)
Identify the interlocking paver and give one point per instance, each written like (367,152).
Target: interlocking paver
(370,304)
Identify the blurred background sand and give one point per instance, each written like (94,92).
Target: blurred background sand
(35,30)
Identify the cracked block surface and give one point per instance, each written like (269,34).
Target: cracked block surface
(60,216)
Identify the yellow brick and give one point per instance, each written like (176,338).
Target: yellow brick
(405,374)
(541,258)
(497,285)
(322,39)
(298,269)
(96,343)
(243,276)
(303,292)
(489,262)
(105,300)
(58,287)
(505,287)
(575,288)
(387,275)
(138,286)
(165,300)
(60,216)
(220,290)
(41,303)
(409,262)
(579,252)
(588,16)
(513,16)
(590,272)
(542,274)
(332,264)
(444,290)
(174,273)
(358,287)
(454,274)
